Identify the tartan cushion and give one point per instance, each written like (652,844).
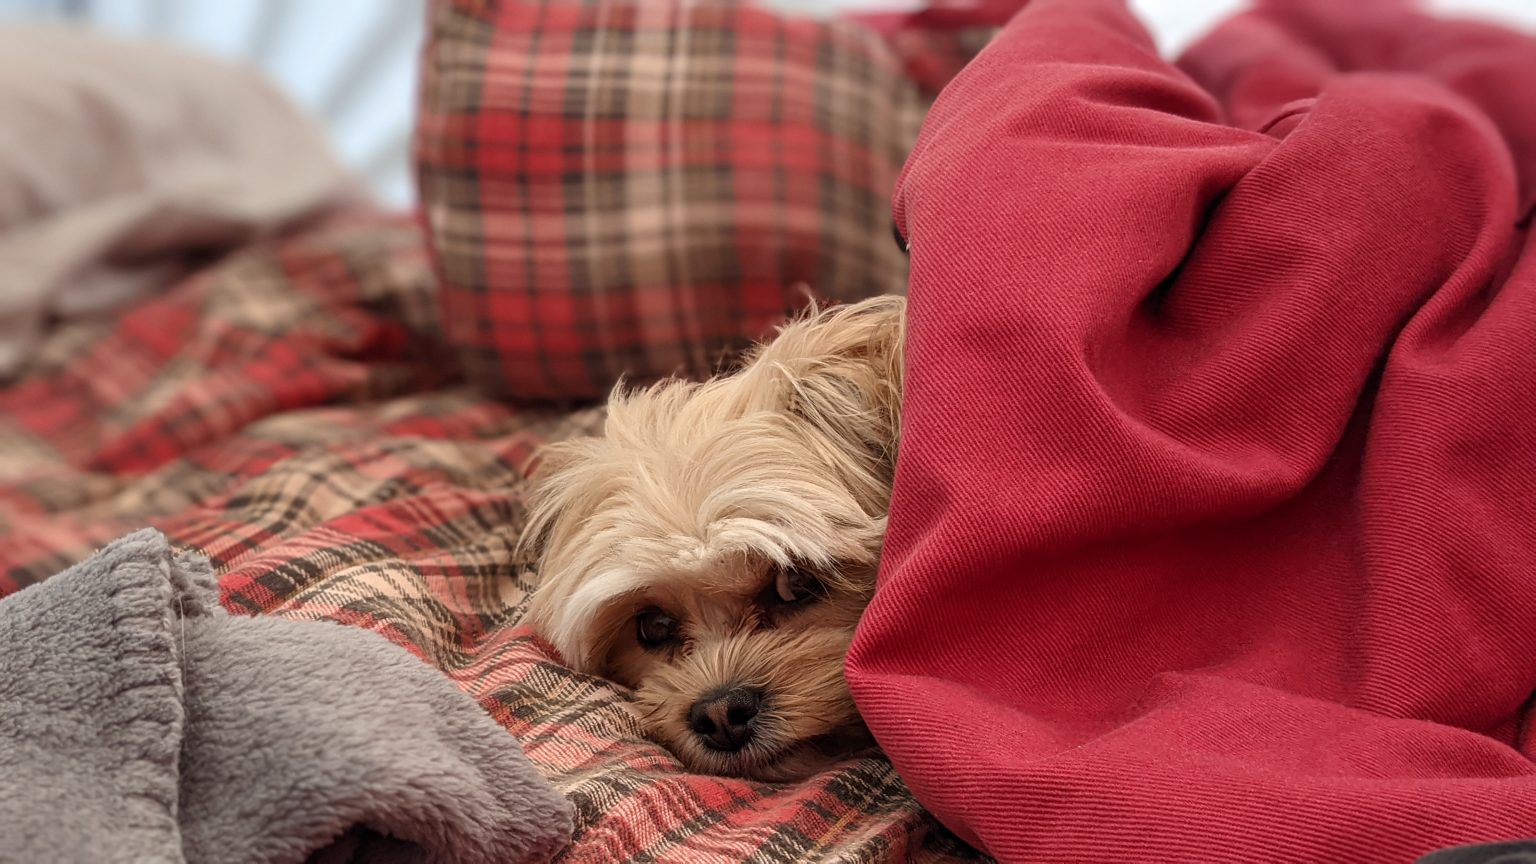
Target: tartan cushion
(293,413)
(933,43)
(640,187)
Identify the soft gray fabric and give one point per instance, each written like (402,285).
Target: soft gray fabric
(138,722)
(125,162)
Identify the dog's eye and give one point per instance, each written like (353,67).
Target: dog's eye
(655,628)
(793,586)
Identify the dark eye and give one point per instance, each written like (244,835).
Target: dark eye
(655,628)
(794,586)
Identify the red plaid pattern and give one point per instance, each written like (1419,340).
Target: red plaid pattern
(640,187)
(934,44)
(293,412)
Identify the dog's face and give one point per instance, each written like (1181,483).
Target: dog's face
(715,548)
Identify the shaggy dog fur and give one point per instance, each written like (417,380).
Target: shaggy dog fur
(714,549)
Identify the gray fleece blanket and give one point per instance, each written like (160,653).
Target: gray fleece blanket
(139,722)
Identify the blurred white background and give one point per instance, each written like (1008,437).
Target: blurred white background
(352,62)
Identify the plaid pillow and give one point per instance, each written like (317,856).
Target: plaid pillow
(640,187)
(935,42)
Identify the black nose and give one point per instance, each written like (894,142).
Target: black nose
(723,719)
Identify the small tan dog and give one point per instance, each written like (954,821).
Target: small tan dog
(715,548)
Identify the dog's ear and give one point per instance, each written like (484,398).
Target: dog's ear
(839,370)
(567,485)
(546,503)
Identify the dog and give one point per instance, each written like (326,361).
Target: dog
(714,548)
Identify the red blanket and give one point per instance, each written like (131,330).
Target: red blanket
(1214,533)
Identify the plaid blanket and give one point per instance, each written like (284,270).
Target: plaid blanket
(292,413)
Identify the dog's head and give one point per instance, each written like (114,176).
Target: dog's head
(715,547)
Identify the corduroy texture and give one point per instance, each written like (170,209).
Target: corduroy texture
(640,187)
(1213,533)
(293,413)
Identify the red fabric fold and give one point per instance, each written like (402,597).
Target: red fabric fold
(1214,529)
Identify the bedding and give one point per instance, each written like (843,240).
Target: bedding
(300,410)
(141,723)
(1229,506)
(294,413)
(124,165)
(1212,533)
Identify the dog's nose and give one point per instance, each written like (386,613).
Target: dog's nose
(723,720)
